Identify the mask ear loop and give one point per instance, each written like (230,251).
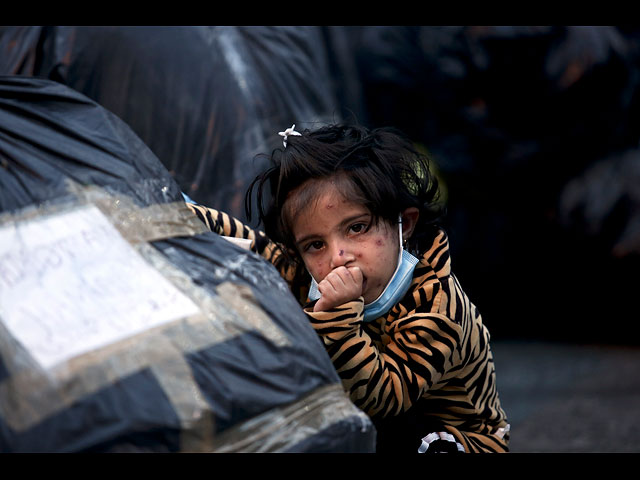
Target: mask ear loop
(403,242)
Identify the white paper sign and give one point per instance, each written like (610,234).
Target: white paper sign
(70,283)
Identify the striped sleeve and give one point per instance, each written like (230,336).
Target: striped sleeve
(226,225)
(419,349)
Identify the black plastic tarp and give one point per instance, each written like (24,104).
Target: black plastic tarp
(534,133)
(206,100)
(242,371)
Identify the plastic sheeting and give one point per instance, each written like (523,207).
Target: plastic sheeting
(510,113)
(124,325)
(206,100)
(534,131)
(489,98)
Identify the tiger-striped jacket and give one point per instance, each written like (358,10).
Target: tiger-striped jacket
(425,366)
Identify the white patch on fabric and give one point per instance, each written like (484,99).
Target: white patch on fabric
(240,242)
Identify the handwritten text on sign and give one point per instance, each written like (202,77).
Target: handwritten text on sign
(70,283)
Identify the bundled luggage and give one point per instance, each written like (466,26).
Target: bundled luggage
(125,326)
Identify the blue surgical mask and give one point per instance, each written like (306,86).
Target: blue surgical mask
(393,292)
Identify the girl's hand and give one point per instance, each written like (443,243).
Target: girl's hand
(341,285)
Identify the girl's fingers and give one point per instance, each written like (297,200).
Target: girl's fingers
(356,275)
(339,286)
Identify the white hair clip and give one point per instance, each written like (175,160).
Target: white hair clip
(287,132)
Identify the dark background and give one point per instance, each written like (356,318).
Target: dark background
(533,132)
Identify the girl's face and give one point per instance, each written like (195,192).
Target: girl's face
(334,231)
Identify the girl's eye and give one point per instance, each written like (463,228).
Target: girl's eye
(317,245)
(358,228)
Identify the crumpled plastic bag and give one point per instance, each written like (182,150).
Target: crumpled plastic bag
(126,326)
(205,99)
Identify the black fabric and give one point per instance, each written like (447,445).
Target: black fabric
(402,434)
(443,446)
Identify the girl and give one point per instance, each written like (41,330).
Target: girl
(351,221)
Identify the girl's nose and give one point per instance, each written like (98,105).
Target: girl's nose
(340,256)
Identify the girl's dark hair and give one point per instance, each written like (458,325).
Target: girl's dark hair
(379,169)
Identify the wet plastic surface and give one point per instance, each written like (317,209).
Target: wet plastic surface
(206,100)
(233,376)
